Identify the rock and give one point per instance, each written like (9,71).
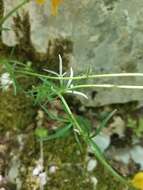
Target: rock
(5,81)
(102,140)
(105,36)
(43,178)
(126,155)
(14,170)
(137,155)
(37,170)
(94,181)
(53,169)
(91,165)
(117,126)
(123,155)
(13,173)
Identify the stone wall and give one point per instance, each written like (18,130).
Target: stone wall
(106,36)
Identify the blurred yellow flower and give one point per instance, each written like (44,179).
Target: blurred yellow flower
(138,181)
(55,4)
(40,2)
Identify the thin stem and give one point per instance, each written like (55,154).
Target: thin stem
(90,142)
(13,11)
(106,86)
(101,158)
(82,76)
(70,113)
(41,152)
(42,160)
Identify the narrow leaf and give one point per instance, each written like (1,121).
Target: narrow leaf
(62,132)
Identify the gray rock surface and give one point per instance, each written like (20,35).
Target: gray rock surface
(106,37)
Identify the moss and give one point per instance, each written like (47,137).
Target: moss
(71,173)
(1,9)
(109,2)
(129,67)
(69,178)
(16,112)
(24,49)
(106,181)
(136,125)
(63,153)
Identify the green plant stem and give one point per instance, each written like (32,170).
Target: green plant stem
(70,113)
(101,158)
(13,11)
(105,86)
(82,76)
(90,142)
(90,76)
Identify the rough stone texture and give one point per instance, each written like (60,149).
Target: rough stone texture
(106,36)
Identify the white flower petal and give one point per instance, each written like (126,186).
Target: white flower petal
(60,65)
(77,93)
(64,74)
(52,72)
(71,72)
(71,76)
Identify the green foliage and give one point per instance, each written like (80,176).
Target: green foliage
(10,69)
(54,117)
(85,124)
(139,131)
(59,133)
(48,90)
(56,86)
(41,132)
(43,92)
(137,127)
